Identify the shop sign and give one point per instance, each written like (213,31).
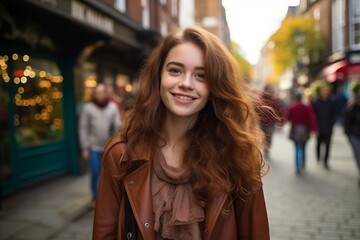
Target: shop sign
(29,32)
(87,15)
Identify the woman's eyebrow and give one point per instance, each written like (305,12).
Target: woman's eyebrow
(182,65)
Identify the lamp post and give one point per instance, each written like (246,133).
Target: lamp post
(300,73)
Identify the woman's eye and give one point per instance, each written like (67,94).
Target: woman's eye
(200,76)
(174,71)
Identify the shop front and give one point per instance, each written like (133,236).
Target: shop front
(50,60)
(343,73)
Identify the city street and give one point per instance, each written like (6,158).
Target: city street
(318,204)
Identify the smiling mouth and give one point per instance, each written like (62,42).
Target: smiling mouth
(183,98)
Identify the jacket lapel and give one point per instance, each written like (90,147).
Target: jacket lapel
(138,188)
(212,212)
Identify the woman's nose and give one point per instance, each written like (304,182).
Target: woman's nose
(187,81)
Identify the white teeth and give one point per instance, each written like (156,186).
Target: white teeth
(185,98)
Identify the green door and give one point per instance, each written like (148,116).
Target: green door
(32,97)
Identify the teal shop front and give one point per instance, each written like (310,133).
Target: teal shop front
(38,138)
(51,57)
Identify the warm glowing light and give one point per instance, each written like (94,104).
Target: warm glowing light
(42,74)
(49,108)
(17,96)
(19,73)
(15,57)
(4,66)
(37,116)
(26,58)
(32,74)
(38,99)
(6,78)
(48,76)
(26,72)
(44,84)
(21,90)
(128,88)
(16,80)
(23,79)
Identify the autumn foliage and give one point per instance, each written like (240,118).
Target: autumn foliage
(288,48)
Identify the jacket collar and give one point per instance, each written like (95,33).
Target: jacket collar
(138,187)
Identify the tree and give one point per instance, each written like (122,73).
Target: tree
(288,48)
(245,66)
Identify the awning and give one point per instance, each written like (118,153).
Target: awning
(336,71)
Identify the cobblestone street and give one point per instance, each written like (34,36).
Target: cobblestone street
(318,204)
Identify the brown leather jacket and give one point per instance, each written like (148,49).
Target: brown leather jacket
(243,220)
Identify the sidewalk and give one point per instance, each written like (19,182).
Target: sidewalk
(42,211)
(317,204)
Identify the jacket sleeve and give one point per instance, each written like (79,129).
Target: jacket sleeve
(109,198)
(252,220)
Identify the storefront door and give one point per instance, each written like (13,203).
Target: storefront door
(32,120)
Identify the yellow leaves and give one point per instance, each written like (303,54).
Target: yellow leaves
(245,66)
(296,37)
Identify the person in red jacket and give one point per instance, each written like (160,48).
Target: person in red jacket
(187,164)
(302,119)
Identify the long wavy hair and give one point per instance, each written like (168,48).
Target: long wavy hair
(224,144)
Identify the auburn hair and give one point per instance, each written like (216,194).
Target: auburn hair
(224,144)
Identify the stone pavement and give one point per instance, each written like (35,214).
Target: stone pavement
(44,210)
(315,205)
(318,204)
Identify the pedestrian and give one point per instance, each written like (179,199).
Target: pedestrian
(115,98)
(98,120)
(271,116)
(187,164)
(302,120)
(352,124)
(325,113)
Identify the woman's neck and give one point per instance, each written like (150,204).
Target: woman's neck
(174,130)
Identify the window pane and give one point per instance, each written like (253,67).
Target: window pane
(38,99)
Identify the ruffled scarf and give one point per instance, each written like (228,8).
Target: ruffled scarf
(177,213)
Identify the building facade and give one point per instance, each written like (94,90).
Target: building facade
(52,55)
(339,23)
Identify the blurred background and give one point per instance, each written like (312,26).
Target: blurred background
(54,52)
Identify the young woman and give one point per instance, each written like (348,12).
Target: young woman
(187,164)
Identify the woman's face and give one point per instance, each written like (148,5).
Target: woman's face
(183,89)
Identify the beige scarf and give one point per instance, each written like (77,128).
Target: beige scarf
(177,213)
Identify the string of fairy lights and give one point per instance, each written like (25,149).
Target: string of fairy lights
(43,100)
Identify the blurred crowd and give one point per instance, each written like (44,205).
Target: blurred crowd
(312,114)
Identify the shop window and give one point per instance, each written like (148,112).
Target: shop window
(120,5)
(355,23)
(38,115)
(5,167)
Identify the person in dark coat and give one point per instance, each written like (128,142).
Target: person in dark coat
(352,125)
(325,113)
